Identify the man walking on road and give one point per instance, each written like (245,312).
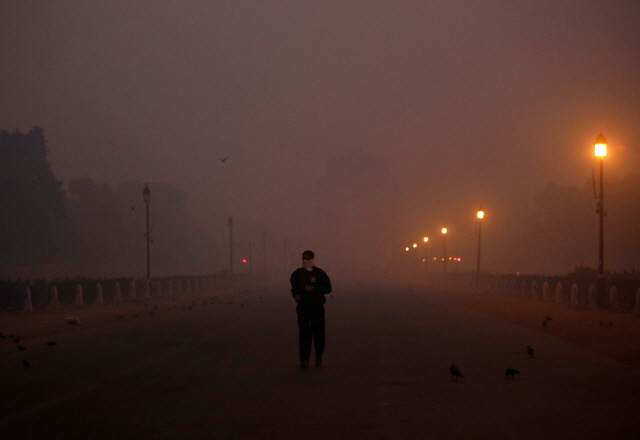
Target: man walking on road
(309,285)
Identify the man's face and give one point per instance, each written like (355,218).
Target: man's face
(307,261)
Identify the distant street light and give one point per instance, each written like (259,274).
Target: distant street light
(146,196)
(444,245)
(426,257)
(480,217)
(601,152)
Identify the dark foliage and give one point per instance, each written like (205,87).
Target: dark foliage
(31,199)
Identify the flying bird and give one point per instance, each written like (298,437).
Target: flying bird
(223,160)
(544,323)
(2,336)
(21,348)
(16,339)
(51,343)
(530,351)
(510,372)
(26,364)
(455,372)
(548,318)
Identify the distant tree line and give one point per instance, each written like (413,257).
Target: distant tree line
(89,228)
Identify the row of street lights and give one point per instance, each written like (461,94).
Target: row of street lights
(480,215)
(600,153)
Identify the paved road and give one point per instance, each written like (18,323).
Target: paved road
(229,372)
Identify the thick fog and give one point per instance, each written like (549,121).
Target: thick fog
(351,128)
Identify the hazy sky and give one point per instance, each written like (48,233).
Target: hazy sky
(466,102)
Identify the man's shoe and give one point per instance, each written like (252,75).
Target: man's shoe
(318,361)
(304,363)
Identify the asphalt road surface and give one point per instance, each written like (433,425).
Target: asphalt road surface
(229,370)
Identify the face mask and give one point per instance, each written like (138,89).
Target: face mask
(308,264)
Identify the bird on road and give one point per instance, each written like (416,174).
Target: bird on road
(455,372)
(510,372)
(530,351)
(26,364)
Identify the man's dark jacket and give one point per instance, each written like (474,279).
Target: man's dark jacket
(315,277)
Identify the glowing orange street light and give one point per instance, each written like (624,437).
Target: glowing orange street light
(426,256)
(601,146)
(480,217)
(415,245)
(601,152)
(444,246)
(406,249)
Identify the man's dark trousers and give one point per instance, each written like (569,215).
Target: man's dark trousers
(311,325)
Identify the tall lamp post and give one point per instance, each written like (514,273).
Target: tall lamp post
(426,256)
(146,196)
(601,152)
(231,248)
(444,246)
(480,217)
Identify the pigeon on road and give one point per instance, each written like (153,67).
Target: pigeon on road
(455,372)
(510,372)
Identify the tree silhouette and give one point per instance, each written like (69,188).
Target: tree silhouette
(30,200)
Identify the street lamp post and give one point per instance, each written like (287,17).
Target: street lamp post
(444,246)
(426,256)
(601,152)
(146,196)
(480,217)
